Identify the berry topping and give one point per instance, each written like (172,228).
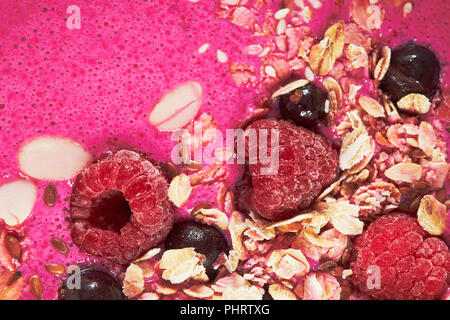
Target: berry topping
(119,207)
(94,285)
(305,106)
(307,164)
(413,69)
(411,265)
(205,239)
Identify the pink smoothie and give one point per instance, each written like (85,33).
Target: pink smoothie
(98,84)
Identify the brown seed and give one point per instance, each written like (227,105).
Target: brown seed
(203,205)
(55,268)
(421,186)
(345,259)
(337,271)
(441,195)
(345,292)
(14,277)
(417,153)
(327,265)
(60,245)
(13,246)
(36,287)
(50,195)
(194,166)
(171,169)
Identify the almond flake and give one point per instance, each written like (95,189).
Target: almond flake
(199,291)
(344,218)
(237,228)
(383,64)
(415,103)
(314,239)
(181,264)
(357,55)
(280,292)
(404,172)
(432,215)
(242,293)
(281,26)
(133,284)
(177,107)
(324,54)
(179,190)
(52,158)
(334,93)
(290,87)
(281,14)
(372,107)
(288,263)
(427,138)
(150,254)
(356,146)
(212,216)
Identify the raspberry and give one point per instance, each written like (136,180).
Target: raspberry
(412,264)
(307,164)
(119,207)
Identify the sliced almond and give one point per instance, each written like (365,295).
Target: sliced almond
(52,158)
(133,283)
(334,93)
(212,216)
(357,55)
(432,215)
(280,292)
(427,138)
(414,103)
(383,64)
(324,54)
(178,265)
(17,200)
(179,190)
(288,263)
(314,239)
(344,218)
(199,291)
(372,107)
(404,172)
(357,146)
(150,254)
(177,107)
(290,87)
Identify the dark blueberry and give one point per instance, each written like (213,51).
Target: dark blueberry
(304,106)
(205,239)
(413,69)
(94,285)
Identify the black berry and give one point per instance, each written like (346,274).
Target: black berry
(413,69)
(94,285)
(205,239)
(305,106)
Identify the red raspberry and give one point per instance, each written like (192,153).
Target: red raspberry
(119,207)
(412,264)
(307,164)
